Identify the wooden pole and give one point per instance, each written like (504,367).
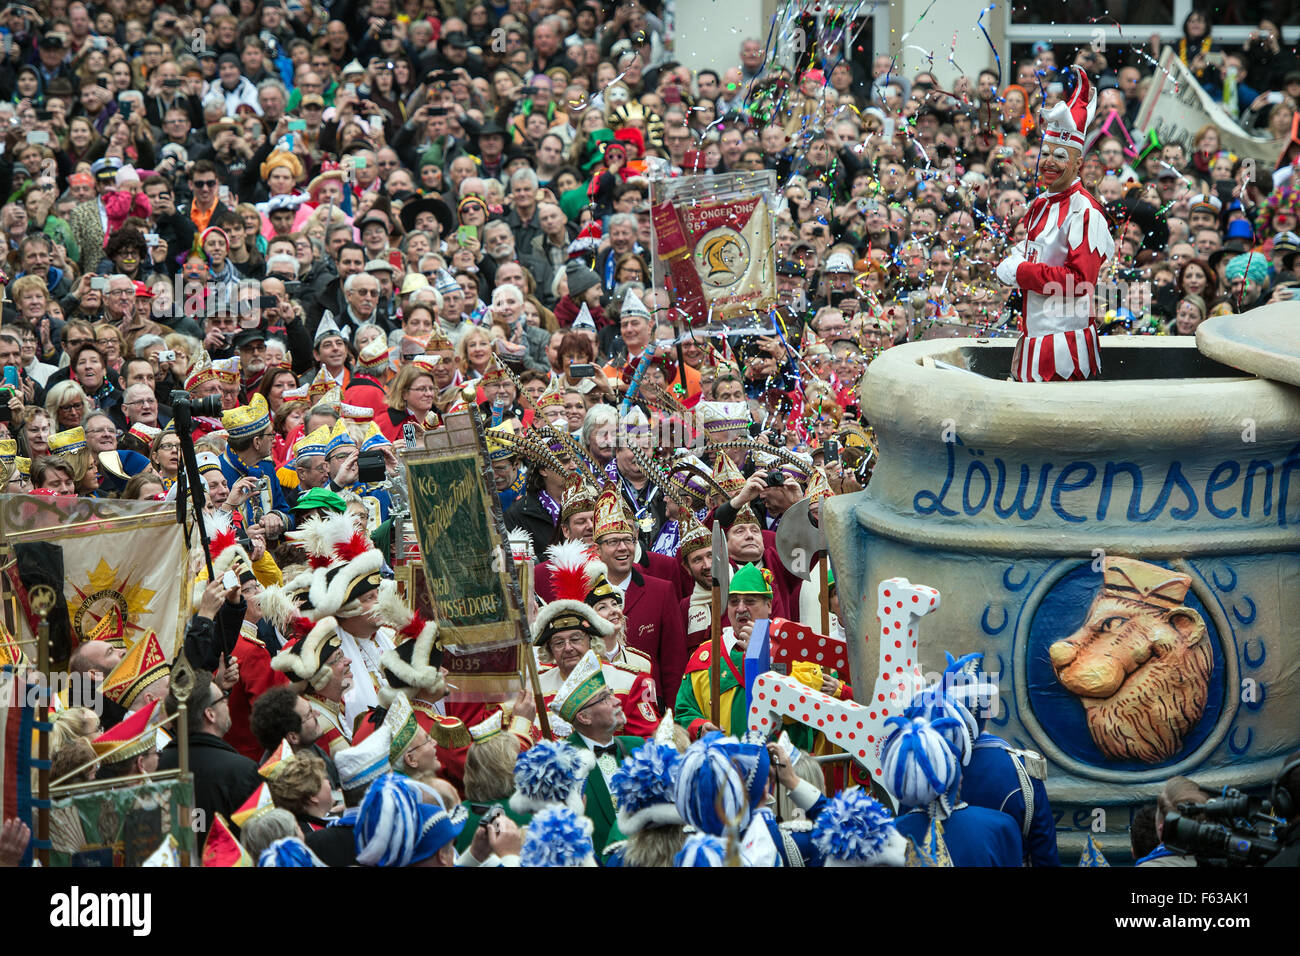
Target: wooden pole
(526,647)
(715,664)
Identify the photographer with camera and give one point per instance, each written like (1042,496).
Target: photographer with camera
(1178,791)
(1235,829)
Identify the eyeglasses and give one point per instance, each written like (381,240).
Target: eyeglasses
(142,401)
(78,406)
(617,542)
(558,643)
(204,184)
(170,446)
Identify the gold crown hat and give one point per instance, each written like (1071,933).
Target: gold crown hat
(134,736)
(67,441)
(438,341)
(319,385)
(23,466)
(578,497)
(550,401)
(277,762)
(311,444)
(727,475)
(819,488)
(259,803)
(340,437)
(499,450)
(495,375)
(717,417)
(249,420)
(143,664)
(8,451)
(692,481)
(569,610)
(1146,583)
(610,516)
(372,437)
(634,423)
(200,371)
(746,514)
(221,848)
(585,681)
(695,537)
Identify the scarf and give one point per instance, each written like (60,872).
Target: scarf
(550,504)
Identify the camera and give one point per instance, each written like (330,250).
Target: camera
(370,467)
(1235,829)
(1217,844)
(209,406)
(775,479)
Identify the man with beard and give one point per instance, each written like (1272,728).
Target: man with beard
(696,609)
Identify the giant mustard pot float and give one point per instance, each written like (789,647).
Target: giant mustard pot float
(1125,552)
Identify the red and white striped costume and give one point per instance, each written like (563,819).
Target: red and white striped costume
(1068,241)
(1056,268)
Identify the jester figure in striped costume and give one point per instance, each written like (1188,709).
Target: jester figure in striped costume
(1057,265)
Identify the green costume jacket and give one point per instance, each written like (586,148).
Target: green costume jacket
(600,806)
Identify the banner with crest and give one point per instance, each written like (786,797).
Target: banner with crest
(117,566)
(715,235)
(457,571)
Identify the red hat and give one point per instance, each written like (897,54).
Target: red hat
(631,134)
(1066,122)
(142,291)
(817,75)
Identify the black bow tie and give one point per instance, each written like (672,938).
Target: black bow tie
(610,750)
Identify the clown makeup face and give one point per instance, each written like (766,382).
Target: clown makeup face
(1058,166)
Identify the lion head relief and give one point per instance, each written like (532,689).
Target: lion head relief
(1140,664)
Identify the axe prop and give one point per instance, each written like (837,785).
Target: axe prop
(801,543)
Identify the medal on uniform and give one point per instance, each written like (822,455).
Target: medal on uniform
(647,523)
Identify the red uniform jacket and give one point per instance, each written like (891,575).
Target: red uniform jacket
(667,569)
(656,627)
(256,677)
